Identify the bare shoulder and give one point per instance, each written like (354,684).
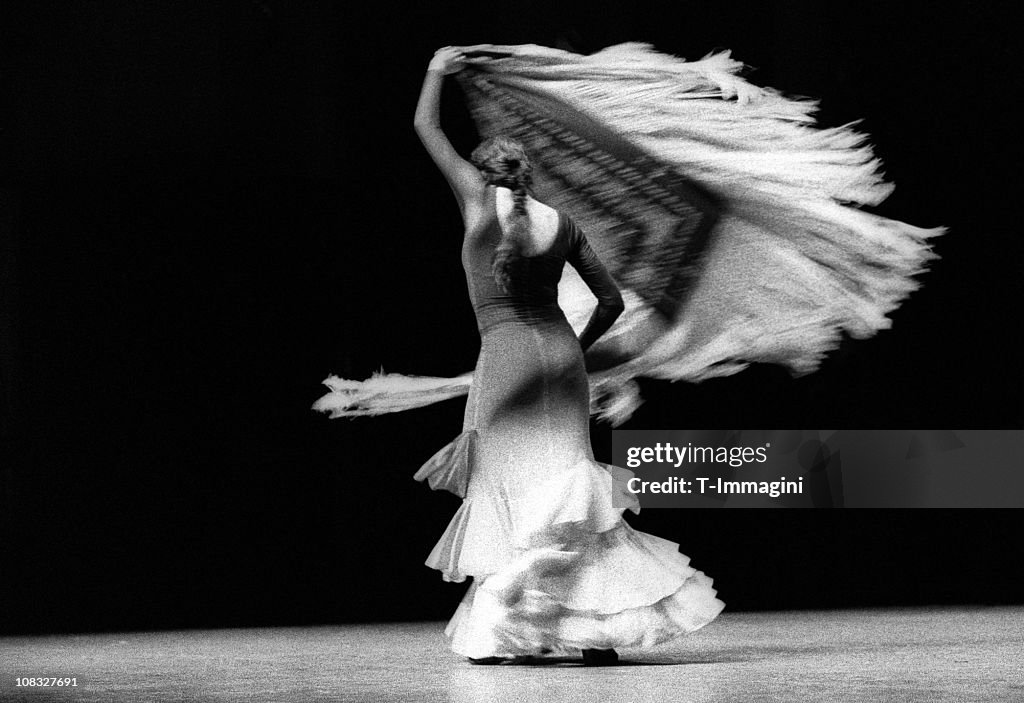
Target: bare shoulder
(545,217)
(474,207)
(548,213)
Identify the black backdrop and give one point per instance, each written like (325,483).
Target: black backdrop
(207,207)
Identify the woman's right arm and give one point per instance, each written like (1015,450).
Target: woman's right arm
(462,176)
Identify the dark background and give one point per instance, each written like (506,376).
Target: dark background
(205,208)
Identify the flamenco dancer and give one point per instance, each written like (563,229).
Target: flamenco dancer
(723,227)
(555,568)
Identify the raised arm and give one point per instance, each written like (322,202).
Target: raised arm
(461,175)
(600,282)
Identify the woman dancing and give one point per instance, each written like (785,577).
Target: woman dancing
(555,568)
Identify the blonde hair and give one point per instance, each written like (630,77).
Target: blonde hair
(504,162)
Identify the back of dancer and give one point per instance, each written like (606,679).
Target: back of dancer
(555,568)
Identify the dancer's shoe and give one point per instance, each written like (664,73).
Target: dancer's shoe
(488,660)
(600,657)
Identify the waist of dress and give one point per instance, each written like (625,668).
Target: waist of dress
(489,317)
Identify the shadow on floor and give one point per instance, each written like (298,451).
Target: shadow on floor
(726,656)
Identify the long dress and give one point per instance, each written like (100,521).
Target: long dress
(555,568)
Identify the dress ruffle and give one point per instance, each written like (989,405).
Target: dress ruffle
(448,469)
(623,589)
(486,534)
(558,569)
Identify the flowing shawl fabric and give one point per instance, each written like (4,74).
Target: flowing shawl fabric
(728,218)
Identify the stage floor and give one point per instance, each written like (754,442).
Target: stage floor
(906,655)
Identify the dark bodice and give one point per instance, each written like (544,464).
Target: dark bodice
(533,296)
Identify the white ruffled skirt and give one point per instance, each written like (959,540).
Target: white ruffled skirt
(559,570)
(540,530)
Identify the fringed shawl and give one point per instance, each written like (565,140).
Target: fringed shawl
(730,220)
